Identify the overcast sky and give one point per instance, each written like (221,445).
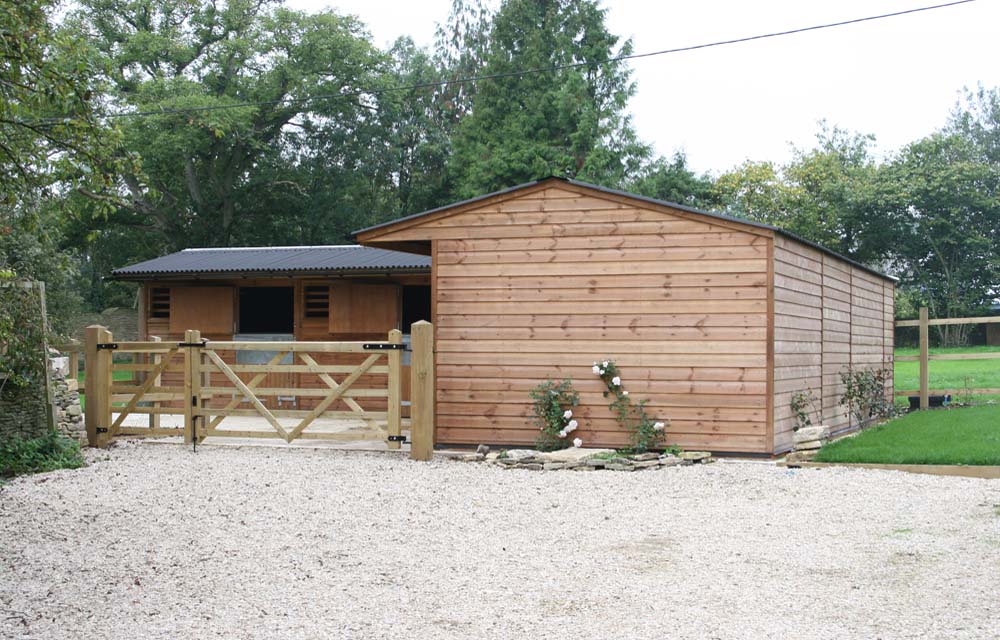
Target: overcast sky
(896,78)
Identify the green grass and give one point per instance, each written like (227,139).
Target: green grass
(951,374)
(967,435)
(116,376)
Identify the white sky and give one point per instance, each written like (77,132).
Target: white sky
(896,78)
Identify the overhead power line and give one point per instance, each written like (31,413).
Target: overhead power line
(523,72)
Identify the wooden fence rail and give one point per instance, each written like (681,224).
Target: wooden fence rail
(207,385)
(924,323)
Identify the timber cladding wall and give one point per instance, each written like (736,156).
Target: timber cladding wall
(545,281)
(829,316)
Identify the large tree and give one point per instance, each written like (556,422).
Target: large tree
(948,201)
(570,122)
(222,89)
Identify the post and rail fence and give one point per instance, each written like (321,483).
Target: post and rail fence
(924,323)
(203,382)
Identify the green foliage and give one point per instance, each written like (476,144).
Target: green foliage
(50,133)
(570,123)
(965,435)
(52,451)
(645,432)
(553,416)
(949,250)
(865,394)
(803,405)
(22,335)
(673,181)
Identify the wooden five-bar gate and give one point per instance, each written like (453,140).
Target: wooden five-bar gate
(201,383)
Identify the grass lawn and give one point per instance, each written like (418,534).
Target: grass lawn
(967,435)
(116,376)
(950,374)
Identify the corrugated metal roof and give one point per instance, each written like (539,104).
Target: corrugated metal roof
(271,260)
(673,205)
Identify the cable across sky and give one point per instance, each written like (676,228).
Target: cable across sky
(522,72)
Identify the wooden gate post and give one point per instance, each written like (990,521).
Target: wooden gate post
(924,350)
(154,359)
(422,391)
(97,386)
(192,383)
(395,427)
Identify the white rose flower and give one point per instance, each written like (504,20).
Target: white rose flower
(616,381)
(571,427)
(606,363)
(597,369)
(562,434)
(624,393)
(658,426)
(567,414)
(577,443)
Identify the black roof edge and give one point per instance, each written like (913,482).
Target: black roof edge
(634,196)
(298,273)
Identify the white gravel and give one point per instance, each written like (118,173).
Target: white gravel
(154,541)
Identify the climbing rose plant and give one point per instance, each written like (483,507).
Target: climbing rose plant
(553,414)
(645,433)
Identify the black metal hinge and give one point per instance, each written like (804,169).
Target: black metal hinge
(396,439)
(102,430)
(383,346)
(192,344)
(111,346)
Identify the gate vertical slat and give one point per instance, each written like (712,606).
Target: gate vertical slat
(192,382)
(395,423)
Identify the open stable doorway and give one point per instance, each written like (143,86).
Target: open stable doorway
(266,311)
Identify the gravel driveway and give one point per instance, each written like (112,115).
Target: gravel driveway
(154,541)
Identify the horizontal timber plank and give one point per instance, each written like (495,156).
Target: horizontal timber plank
(604,268)
(299,391)
(308,347)
(654,400)
(602,294)
(551,230)
(577,319)
(723,307)
(602,333)
(686,347)
(291,413)
(628,360)
(605,241)
(293,368)
(631,254)
(489,410)
(595,385)
(541,372)
(622,281)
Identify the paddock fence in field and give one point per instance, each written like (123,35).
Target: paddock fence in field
(924,358)
(301,390)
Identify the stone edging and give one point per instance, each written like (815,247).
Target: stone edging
(965,471)
(579,459)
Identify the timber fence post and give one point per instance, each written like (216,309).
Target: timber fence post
(395,426)
(97,386)
(192,383)
(422,391)
(924,357)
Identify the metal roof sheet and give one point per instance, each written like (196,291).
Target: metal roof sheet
(268,260)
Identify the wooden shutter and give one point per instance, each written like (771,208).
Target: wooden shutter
(363,308)
(207,309)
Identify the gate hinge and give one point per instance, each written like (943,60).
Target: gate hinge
(396,439)
(102,429)
(111,346)
(383,346)
(193,344)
